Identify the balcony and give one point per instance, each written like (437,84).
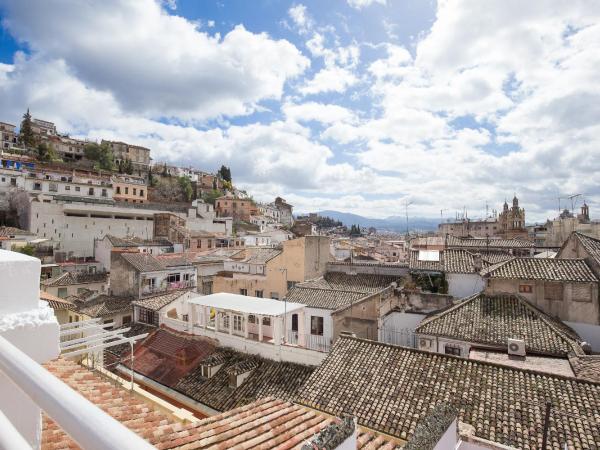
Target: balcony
(252,325)
(30,336)
(148,290)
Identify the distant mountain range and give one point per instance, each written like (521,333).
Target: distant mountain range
(392,223)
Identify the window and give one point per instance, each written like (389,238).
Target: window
(13,181)
(91,191)
(141,192)
(37,186)
(291,284)
(581,292)
(134,191)
(126,320)
(243,291)
(67,188)
(53,187)
(206,371)
(266,321)
(275,295)
(62,292)
(316,325)
(237,323)
(174,277)
(258,294)
(126,190)
(525,288)
(148,316)
(252,319)
(118,189)
(452,350)
(553,291)
(104,193)
(77,188)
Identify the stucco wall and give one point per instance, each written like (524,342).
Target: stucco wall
(566,309)
(462,285)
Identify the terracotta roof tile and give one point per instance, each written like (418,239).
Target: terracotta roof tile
(492,320)
(482,243)
(323,298)
(547,269)
(70,278)
(364,283)
(391,389)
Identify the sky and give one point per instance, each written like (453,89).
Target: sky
(359,106)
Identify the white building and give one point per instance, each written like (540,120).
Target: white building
(249,324)
(75,224)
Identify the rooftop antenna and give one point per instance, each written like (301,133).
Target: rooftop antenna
(572,198)
(406,205)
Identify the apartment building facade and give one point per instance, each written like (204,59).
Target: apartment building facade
(129,189)
(138,155)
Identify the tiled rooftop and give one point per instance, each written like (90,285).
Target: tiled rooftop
(167,356)
(546,269)
(268,378)
(433,266)
(156,302)
(492,319)
(592,245)
(391,389)
(12,231)
(323,298)
(364,283)
(124,406)
(482,243)
(104,305)
(56,302)
(71,278)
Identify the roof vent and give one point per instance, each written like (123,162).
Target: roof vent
(516,347)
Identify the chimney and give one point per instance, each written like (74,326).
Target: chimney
(477,262)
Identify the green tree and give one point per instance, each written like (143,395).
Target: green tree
(211,197)
(26,135)
(186,187)
(128,167)
(101,154)
(25,249)
(225,173)
(151,180)
(46,152)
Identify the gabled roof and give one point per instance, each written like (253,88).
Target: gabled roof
(454,242)
(323,298)
(71,278)
(268,423)
(12,231)
(391,389)
(460,261)
(546,269)
(145,262)
(592,245)
(493,319)
(267,378)
(414,263)
(157,302)
(56,302)
(166,356)
(364,283)
(105,305)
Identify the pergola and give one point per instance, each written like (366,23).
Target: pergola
(259,319)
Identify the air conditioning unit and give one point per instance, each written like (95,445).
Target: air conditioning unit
(516,347)
(425,344)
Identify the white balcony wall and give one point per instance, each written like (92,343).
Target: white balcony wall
(30,325)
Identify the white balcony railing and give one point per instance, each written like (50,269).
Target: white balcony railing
(87,424)
(150,290)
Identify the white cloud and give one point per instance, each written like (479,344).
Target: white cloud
(156,64)
(300,17)
(319,112)
(332,79)
(360,4)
